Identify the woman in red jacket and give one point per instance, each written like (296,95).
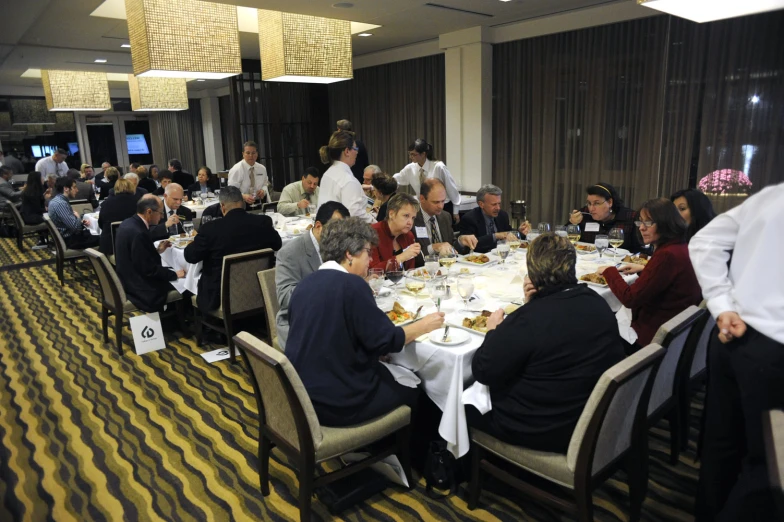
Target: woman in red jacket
(395,238)
(667,285)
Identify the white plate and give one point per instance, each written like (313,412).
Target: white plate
(493,260)
(455,336)
(591,283)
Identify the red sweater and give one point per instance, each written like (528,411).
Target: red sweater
(385,251)
(664,289)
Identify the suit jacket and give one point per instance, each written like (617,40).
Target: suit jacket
(184,179)
(295,260)
(117,208)
(138,194)
(148,185)
(144,278)
(237,232)
(160,232)
(85,191)
(473,222)
(444,220)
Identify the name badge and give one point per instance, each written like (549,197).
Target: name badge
(592,227)
(421,233)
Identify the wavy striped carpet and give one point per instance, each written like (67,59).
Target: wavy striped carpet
(87,435)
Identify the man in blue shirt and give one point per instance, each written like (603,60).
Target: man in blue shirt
(67,221)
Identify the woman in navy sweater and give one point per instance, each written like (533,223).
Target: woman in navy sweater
(337,332)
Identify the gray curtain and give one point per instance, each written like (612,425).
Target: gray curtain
(391,105)
(179,134)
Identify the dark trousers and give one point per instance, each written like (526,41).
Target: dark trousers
(82,240)
(746,379)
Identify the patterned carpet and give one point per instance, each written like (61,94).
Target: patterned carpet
(87,435)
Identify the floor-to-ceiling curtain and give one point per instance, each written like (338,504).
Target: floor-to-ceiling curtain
(391,105)
(179,134)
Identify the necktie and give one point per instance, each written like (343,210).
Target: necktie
(306,196)
(492,227)
(434,235)
(252,179)
(422,176)
(173,228)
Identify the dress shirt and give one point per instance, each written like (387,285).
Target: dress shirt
(239,176)
(63,217)
(48,165)
(315,243)
(433,169)
(753,285)
(292,194)
(339,184)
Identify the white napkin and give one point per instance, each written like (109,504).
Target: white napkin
(624,318)
(402,375)
(478,395)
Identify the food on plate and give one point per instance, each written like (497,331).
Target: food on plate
(479,259)
(464,270)
(398,314)
(585,248)
(425,274)
(478,323)
(296,231)
(508,309)
(594,278)
(523,244)
(641,259)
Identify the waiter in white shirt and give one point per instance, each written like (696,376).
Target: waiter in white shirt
(746,368)
(423,166)
(54,164)
(338,183)
(250,177)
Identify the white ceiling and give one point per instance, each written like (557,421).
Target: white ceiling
(61,34)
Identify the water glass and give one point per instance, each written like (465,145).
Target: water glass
(187,226)
(436,287)
(502,250)
(560,230)
(465,287)
(431,265)
(376,280)
(544,228)
(601,243)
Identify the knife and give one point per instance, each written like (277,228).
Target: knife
(446,333)
(417,314)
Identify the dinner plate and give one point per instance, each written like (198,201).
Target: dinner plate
(455,320)
(591,283)
(493,260)
(454,337)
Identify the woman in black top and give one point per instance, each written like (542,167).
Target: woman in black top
(32,208)
(543,361)
(384,187)
(145,181)
(604,211)
(695,208)
(205,182)
(119,207)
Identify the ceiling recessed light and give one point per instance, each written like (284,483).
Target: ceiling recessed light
(100,60)
(127,46)
(365,34)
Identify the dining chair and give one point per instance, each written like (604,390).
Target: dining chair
(113,226)
(288,420)
(773,437)
(240,295)
(62,252)
(271,305)
(115,303)
(81,206)
(273,206)
(672,336)
(611,433)
(23,230)
(196,223)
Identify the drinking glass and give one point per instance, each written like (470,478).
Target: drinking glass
(376,280)
(394,272)
(187,226)
(544,227)
(573,233)
(311,211)
(414,283)
(447,260)
(436,287)
(465,287)
(431,265)
(533,234)
(502,249)
(514,241)
(560,230)
(616,240)
(601,243)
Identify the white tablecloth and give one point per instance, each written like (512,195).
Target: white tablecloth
(198,209)
(466,203)
(175,257)
(446,371)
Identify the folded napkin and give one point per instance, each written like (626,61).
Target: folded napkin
(478,396)
(624,318)
(402,375)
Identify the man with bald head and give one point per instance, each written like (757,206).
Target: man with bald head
(145,280)
(174,214)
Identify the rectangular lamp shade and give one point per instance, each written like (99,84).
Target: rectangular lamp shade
(65,122)
(30,111)
(76,91)
(306,49)
(709,10)
(158,94)
(183,39)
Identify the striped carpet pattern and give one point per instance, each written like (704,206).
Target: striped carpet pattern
(88,435)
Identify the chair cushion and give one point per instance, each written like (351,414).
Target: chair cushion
(28,229)
(71,254)
(337,441)
(173,296)
(128,307)
(551,466)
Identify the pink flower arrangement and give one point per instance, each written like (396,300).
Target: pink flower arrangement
(725,181)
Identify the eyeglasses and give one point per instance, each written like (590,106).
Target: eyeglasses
(648,224)
(355,148)
(589,204)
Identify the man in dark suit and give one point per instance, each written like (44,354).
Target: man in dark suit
(362,161)
(433,227)
(183,179)
(298,259)
(487,222)
(145,280)
(237,232)
(172,210)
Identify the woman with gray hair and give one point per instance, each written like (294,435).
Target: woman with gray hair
(543,361)
(337,332)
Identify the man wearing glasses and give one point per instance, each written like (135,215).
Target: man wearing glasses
(249,176)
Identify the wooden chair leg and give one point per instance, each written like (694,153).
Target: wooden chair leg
(675,431)
(118,324)
(105,323)
(637,472)
(306,472)
(584,500)
(404,453)
(475,486)
(264,453)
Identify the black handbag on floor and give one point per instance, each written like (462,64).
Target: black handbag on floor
(351,490)
(439,469)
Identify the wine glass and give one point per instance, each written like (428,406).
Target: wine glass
(544,228)
(376,280)
(514,241)
(465,287)
(394,272)
(447,260)
(502,249)
(573,233)
(560,230)
(414,283)
(431,265)
(311,211)
(616,240)
(601,243)
(436,287)
(187,227)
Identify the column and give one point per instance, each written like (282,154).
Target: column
(469,106)
(213,141)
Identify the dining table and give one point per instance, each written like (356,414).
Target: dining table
(445,370)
